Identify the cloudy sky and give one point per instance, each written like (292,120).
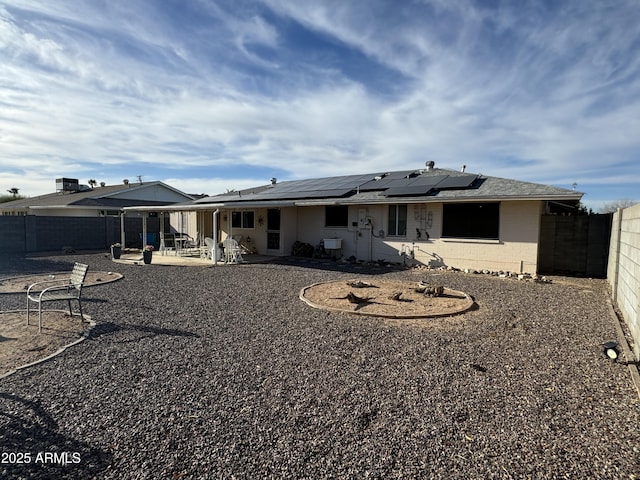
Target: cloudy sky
(210,95)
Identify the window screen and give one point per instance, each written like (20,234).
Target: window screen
(336,216)
(471,220)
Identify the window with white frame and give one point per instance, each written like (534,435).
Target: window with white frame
(397,225)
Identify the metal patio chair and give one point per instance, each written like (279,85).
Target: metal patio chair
(60,290)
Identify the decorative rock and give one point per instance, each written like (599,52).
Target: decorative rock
(295,392)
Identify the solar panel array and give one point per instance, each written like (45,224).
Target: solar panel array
(394,184)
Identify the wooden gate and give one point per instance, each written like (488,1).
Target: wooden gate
(574,245)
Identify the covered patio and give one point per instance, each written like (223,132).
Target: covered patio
(215,231)
(169,259)
(187,242)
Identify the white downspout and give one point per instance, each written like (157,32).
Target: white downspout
(215,236)
(144,230)
(122,239)
(162,245)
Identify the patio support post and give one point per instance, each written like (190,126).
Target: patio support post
(162,245)
(215,236)
(144,229)
(122,239)
(179,243)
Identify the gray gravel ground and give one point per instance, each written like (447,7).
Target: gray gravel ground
(224,373)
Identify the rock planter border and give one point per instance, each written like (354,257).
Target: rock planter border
(468,303)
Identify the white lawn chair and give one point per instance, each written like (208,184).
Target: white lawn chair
(207,251)
(232,251)
(60,290)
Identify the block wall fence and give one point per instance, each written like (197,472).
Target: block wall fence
(623,273)
(35,234)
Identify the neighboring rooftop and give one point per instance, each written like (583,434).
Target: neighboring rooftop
(69,193)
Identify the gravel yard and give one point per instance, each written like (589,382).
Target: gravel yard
(224,373)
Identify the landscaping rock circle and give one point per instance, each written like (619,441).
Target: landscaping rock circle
(386,298)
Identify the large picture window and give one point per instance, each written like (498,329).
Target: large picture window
(397,226)
(242,219)
(471,220)
(336,216)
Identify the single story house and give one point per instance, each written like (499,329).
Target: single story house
(430,215)
(71,199)
(84,217)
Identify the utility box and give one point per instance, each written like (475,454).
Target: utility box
(362,218)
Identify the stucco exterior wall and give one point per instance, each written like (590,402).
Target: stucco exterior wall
(311,229)
(516,250)
(623,271)
(258,234)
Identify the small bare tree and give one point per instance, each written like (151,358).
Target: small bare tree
(610,207)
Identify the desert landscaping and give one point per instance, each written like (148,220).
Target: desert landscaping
(195,372)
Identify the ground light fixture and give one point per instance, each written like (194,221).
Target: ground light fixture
(611,350)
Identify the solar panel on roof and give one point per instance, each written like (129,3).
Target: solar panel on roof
(399,179)
(460,181)
(353,181)
(378,184)
(426,180)
(334,193)
(295,194)
(408,190)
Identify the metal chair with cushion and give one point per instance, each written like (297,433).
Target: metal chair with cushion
(60,290)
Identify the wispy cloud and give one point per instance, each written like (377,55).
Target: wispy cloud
(537,91)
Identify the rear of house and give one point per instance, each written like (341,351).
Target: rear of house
(430,216)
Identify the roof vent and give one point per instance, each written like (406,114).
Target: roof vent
(430,165)
(463,168)
(273,180)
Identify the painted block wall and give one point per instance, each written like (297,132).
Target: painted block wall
(64,212)
(27,234)
(623,273)
(516,250)
(258,234)
(310,228)
(12,234)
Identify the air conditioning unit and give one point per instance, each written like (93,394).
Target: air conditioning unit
(67,185)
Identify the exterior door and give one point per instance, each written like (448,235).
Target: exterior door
(273,229)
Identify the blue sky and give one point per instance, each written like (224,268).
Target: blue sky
(214,95)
